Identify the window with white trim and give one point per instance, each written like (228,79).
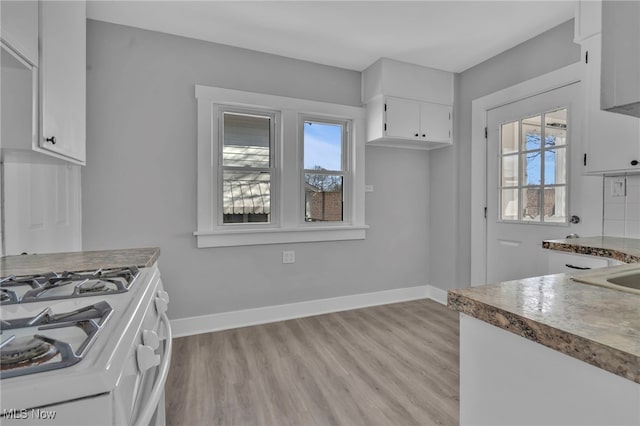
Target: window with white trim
(247,164)
(274,169)
(324,168)
(533,169)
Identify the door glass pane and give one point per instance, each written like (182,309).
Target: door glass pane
(509,170)
(323,197)
(530,204)
(247,140)
(556,128)
(555,207)
(531,168)
(555,166)
(246,196)
(531,128)
(509,204)
(322,146)
(509,137)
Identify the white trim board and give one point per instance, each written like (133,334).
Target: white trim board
(479,108)
(227,320)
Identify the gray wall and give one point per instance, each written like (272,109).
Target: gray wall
(139,185)
(450,178)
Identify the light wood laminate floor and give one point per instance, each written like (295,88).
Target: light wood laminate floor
(395,364)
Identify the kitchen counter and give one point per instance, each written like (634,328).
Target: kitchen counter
(534,350)
(596,325)
(32,264)
(625,250)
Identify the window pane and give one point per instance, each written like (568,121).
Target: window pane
(555,207)
(555,166)
(556,128)
(246,197)
(531,168)
(323,197)
(509,133)
(247,139)
(530,204)
(322,146)
(509,170)
(531,133)
(509,202)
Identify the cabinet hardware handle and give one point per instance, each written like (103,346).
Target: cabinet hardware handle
(634,162)
(424,136)
(52,139)
(417,135)
(582,268)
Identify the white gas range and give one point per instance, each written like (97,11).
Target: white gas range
(89,347)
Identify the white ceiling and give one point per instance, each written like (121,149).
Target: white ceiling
(447,35)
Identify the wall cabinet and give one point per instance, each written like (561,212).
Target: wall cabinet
(620,79)
(19,28)
(408,123)
(408,106)
(612,140)
(63,79)
(588,20)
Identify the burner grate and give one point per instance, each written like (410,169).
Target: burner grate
(33,352)
(66,285)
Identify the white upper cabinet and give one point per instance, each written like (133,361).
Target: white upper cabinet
(63,79)
(408,106)
(620,89)
(588,19)
(20,28)
(612,140)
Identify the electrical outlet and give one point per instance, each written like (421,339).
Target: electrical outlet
(289,256)
(618,187)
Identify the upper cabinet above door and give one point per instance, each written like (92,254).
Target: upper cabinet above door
(408,106)
(19,28)
(63,79)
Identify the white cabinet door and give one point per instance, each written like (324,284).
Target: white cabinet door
(588,19)
(402,118)
(435,122)
(63,79)
(19,28)
(613,140)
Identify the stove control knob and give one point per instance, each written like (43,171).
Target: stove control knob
(163,295)
(150,338)
(146,357)
(161,305)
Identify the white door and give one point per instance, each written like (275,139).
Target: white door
(528,147)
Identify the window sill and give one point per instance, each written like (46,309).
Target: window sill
(250,237)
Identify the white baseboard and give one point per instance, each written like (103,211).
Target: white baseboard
(235,319)
(437,294)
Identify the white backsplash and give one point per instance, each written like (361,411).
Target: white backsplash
(622,213)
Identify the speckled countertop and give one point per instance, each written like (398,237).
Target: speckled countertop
(596,325)
(31,264)
(626,250)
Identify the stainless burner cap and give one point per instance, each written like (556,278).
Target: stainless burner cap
(25,349)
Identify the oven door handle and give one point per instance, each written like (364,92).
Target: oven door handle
(158,388)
